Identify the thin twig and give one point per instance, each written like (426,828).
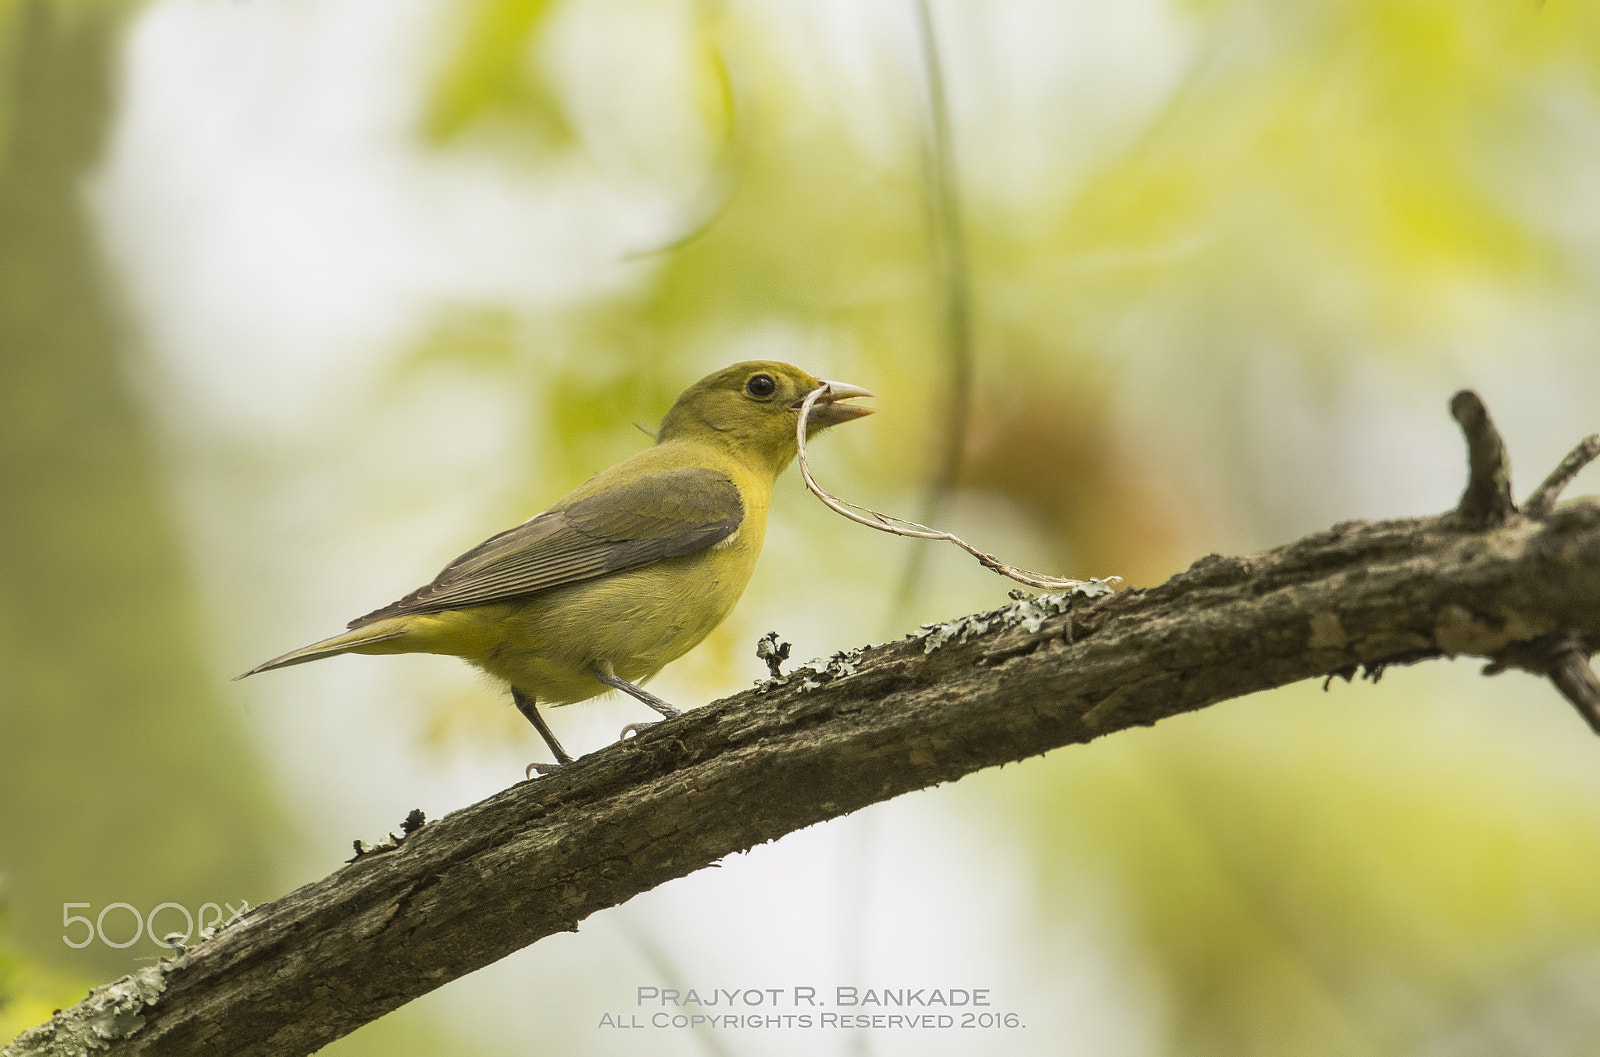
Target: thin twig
(953,288)
(1543,499)
(901,527)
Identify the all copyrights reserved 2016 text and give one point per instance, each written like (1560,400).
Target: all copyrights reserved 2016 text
(804,1007)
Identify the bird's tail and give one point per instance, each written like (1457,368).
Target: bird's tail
(349,642)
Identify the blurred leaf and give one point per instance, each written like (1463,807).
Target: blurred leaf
(491,80)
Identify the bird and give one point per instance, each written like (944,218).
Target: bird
(625,573)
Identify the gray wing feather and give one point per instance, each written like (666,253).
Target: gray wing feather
(659,515)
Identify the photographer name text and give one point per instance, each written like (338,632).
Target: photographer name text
(806,1007)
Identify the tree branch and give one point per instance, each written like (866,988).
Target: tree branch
(985,690)
(1543,499)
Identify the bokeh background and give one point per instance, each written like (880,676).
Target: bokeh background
(301,298)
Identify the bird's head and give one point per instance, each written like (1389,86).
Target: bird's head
(752,407)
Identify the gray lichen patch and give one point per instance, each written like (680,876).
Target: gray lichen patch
(1028,612)
(772,651)
(110,1013)
(815,673)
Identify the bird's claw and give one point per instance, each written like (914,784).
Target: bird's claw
(541,768)
(637,728)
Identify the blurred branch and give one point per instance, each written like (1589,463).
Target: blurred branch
(954,283)
(986,690)
(1562,657)
(1570,671)
(1564,660)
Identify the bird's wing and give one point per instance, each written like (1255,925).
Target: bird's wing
(658,515)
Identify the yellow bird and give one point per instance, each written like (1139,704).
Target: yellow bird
(627,572)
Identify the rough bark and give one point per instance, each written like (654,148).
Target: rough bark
(1482,580)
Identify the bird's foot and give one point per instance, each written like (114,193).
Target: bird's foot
(638,728)
(543,769)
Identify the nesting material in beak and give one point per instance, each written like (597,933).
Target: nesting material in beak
(828,411)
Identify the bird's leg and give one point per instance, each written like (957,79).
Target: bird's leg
(530,711)
(604,672)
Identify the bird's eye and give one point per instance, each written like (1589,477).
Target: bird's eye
(761,386)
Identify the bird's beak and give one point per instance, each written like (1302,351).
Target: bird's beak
(828,411)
